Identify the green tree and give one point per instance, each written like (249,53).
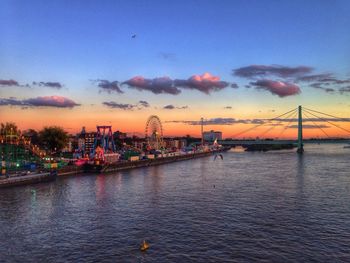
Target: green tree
(9,128)
(33,135)
(53,138)
(9,132)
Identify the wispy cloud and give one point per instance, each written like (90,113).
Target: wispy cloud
(162,85)
(10,82)
(172,107)
(310,126)
(344,90)
(56,85)
(254,71)
(144,103)
(126,106)
(219,121)
(167,55)
(108,86)
(115,105)
(276,122)
(326,82)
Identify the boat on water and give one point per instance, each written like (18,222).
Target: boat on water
(144,246)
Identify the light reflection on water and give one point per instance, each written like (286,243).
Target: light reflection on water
(273,206)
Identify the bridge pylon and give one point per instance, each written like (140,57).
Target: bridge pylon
(300,131)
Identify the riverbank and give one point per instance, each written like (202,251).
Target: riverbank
(106,168)
(28,179)
(148,162)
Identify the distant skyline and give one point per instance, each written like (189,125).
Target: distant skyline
(234,63)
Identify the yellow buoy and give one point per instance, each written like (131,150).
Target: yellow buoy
(144,246)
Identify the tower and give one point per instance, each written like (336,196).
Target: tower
(300,131)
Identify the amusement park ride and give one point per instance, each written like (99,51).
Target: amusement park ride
(16,152)
(104,147)
(154,133)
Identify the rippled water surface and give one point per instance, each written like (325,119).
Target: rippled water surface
(266,207)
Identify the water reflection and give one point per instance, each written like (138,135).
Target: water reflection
(274,207)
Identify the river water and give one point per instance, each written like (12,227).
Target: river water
(248,207)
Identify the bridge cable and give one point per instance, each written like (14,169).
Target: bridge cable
(287,126)
(316,124)
(344,119)
(258,125)
(286,118)
(327,121)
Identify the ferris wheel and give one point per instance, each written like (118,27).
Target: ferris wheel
(154,132)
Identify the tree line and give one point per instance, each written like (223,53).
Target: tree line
(50,138)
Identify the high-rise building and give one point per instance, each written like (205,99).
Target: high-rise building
(86,141)
(212,135)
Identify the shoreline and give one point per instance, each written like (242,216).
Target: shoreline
(145,163)
(106,168)
(28,179)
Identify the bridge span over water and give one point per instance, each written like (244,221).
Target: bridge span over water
(276,142)
(288,117)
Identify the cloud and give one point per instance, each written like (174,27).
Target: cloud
(108,86)
(319,86)
(51,101)
(116,105)
(46,101)
(221,121)
(162,85)
(172,107)
(228,107)
(276,122)
(324,77)
(234,86)
(126,106)
(167,56)
(315,120)
(144,103)
(56,85)
(9,82)
(279,88)
(344,90)
(169,107)
(11,102)
(254,71)
(323,81)
(205,83)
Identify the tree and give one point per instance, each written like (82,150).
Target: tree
(33,135)
(9,128)
(53,138)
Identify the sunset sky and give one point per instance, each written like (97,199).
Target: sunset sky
(234,63)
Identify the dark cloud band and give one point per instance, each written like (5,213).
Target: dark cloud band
(46,101)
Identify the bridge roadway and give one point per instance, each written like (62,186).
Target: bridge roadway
(275,142)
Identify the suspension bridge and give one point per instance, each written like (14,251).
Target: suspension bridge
(287,118)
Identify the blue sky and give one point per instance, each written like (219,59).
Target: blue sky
(74,42)
(93,39)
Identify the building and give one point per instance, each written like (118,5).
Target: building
(175,143)
(69,147)
(119,135)
(86,141)
(212,135)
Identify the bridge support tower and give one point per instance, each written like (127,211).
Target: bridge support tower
(300,131)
